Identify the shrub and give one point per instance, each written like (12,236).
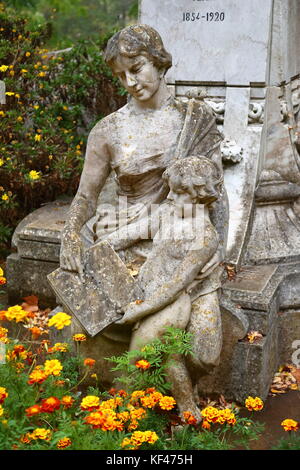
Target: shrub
(52,101)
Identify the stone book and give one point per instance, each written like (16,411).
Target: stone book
(97,300)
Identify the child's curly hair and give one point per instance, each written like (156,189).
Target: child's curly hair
(195,174)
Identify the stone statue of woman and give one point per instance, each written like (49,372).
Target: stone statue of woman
(139,142)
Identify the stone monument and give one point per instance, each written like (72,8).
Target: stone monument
(241,58)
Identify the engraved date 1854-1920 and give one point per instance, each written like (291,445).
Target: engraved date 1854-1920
(209,16)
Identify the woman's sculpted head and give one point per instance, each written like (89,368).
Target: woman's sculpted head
(138,39)
(138,58)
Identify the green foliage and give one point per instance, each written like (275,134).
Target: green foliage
(70,20)
(158,354)
(53,100)
(292,442)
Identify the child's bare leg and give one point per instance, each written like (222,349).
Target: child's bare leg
(177,315)
(205,324)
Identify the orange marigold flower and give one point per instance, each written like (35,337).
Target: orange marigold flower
(26,438)
(37,376)
(36,332)
(122,393)
(290,425)
(189,418)
(205,424)
(79,337)
(137,394)
(2,280)
(2,315)
(50,404)
(142,364)
(137,413)
(53,367)
(254,404)
(90,403)
(67,401)
(33,410)
(148,401)
(226,416)
(89,362)
(41,433)
(3,394)
(112,391)
(167,403)
(64,442)
(60,383)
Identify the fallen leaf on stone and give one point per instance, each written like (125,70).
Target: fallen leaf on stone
(254,336)
(231,273)
(139,301)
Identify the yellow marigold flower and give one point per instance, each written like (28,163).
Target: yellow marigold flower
(90,402)
(3,394)
(254,404)
(41,433)
(41,74)
(137,394)
(123,416)
(4,197)
(1,410)
(19,118)
(290,425)
(142,364)
(53,367)
(37,376)
(37,137)
(60,320)
(2,113)
(226,416)
(148,401)
(28,54)
(10,93)
(137,413)
(17,95)
(139,437)
(24,71)
(36,106)
(3,68)
(167,403)
(67,401)
(64,442)
(94,376)
(3,334)
(126,442)
(16,313)
(210,413)
(34,175)
(59,347)
(79,337)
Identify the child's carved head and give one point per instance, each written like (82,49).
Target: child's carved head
(198,178)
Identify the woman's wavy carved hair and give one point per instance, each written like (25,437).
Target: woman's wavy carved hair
(135,40)
(191,173)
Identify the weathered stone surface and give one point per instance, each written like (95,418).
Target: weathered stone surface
(27,276)
(96,298)
(207,48)
(289,337)
(2,92)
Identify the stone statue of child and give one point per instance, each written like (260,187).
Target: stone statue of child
(182,245)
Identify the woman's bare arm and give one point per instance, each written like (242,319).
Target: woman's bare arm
(95,172)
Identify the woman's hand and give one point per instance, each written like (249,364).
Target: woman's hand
(71,253)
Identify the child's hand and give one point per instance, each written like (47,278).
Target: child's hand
(133,313)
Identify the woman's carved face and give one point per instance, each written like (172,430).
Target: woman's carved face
(138,76)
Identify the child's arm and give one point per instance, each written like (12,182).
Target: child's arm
(168,292)
(127,235)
